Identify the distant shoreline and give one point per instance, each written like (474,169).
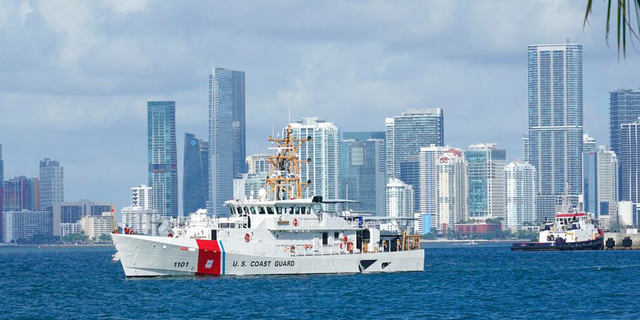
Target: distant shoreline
(478,240)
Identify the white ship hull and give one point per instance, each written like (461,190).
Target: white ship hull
(148,256)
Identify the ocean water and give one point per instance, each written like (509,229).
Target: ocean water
(486,281)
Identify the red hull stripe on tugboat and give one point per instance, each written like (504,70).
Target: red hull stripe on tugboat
(209,257)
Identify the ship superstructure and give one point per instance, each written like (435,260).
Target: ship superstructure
(276,232)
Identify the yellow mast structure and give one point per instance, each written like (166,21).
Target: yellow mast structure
(284,176)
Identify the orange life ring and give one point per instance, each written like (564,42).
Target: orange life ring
(293,249)
(295,222)
(340,245)
(345,239)
(247,237)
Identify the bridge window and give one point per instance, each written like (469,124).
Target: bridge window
(290,210)
(303,210)
(253,210)
(279,210)
(232,211)
(270,210)
(262,210)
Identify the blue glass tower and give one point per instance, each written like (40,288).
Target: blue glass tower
(485,181)
(406,134)
(227,135)
(555,122)
(163,156)
(363,171)
(195,182)
(624,107)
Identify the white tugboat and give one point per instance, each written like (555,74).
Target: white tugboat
(278,233)
(568,231)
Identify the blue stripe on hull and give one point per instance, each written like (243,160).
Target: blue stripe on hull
(223,254)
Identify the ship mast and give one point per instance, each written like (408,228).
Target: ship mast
(284,176)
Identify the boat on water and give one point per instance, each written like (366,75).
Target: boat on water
(568,231)
(279,232)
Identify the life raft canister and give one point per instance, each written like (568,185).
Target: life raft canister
(247,237)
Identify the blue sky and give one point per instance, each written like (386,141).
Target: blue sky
(76,75)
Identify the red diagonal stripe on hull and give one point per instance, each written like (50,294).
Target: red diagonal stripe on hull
(209,257)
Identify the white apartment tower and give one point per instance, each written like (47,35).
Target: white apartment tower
(452,189)
(520,194)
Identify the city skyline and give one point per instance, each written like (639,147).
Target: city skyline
(489,81)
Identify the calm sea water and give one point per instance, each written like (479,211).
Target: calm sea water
(459,282)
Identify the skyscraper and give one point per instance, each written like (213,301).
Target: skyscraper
(588,143)
(630,161)
(51,183)
(324,152)
(410,174)
(624,107)
(363,173)
(163,156)
(525,148)
(1,189)
(555,122)
(1,165)
(227,135)
(600,182)
(73,212)
(429,178)
(485,176)
(195,182)
(520,191)
(407,133)
(22,193)
(452,189)
(399,199)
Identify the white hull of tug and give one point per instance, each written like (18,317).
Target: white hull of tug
(147,256)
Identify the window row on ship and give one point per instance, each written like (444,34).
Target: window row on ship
(269,210)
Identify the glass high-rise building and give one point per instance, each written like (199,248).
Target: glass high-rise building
(1,165)
(629,158)
(163,156)
(410,174)
(195,181)
(407,133)
(600,182)
(624,107)
(555,122)
(22,193)
(324,151)
(363,172)
(51,183)
(485,176)
(227,135)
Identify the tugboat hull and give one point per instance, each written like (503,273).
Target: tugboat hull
(596,244)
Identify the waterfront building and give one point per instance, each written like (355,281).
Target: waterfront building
(452,189)
(624,107)
(363,174)
(51,183)
(21,193)
(1,189)
(477,228)
(364,135)
(485,176)
(525,148)
(520,190)
(407,133)
(96,226)
(67,229)
(141,216)
(25,224)
(249,184)
(142,196)
(555,123)
(162,156)
(588,143)
(323,151)
(628,215)
(428,176)
(399,199)
(195,181)
(72,212)
(600,183)
(410,174)
(227,135)
(629,158)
